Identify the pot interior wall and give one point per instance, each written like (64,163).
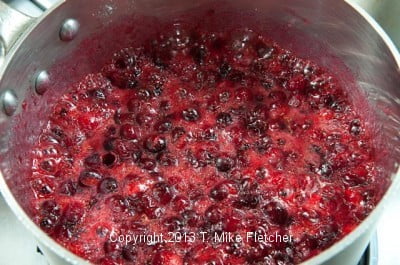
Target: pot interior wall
(328,32)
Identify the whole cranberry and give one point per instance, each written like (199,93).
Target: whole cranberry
(69,188)
(191,218)
(93,160)
(219,192)
(109,144)
(50,207)
(180,203)
(73,215)
(129,252)
(155,143)
(109,159)
(224,163)
(199,53)
(177,133)
(213,214)
(224,70)
(128,131)
(48,165)
(355,127)
(162,192)
(89,178)
(117,203)
(148,163)
(276,213)
(247,200)
(167,159)
(164,126)
(124,60)
(108,185)
(190,114)
(224,119)
(263,50)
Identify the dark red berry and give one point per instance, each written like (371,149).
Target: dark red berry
(276,213)
(213,214)
(247,200)
(177,133)
(180,203)
(130,252)
(219,192)
(355,127)
(224,119)
(263,50)
(48,165)
(128,131)
(191,217)
(190,114)
(155,143)
(167,159)
(69,188)
(164,126)
(162,192)
(199,53)
(117,203)
(297,83)
(93,160)
(108,185)
(225,69)
(224,163)
(325,170)
(50,207)
(109,144)
(109,159)
(73,215)
(89,178)
(148,163)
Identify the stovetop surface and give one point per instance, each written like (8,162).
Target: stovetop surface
(17,246)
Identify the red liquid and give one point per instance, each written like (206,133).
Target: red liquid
(203,134)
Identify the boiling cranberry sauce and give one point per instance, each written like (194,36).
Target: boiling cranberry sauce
(204,133)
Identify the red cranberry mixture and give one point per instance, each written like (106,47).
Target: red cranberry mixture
(204,132)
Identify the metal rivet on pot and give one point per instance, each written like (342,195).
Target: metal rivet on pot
(10,102)
(69,29)
(42,82)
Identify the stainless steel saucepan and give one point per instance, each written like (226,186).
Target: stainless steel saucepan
(40,57)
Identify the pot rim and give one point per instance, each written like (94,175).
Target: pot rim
(371,219)
(367,224)
(324,256)
(42,238)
